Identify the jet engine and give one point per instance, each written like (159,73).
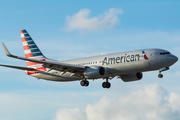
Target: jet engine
(132,77)
(94,72)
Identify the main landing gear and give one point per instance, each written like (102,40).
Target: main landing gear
(161,70)
(160,75)
(84,83)
(106,84)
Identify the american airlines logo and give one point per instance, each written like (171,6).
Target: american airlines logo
(126,58)
(144,55)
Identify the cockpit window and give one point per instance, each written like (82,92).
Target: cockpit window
(164,53)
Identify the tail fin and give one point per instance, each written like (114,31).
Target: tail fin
(31,50)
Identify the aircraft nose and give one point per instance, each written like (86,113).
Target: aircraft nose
(173,59)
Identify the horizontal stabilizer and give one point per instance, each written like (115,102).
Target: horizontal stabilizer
(20,68)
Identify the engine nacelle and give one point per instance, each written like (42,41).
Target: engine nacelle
(132,77)
(94,72)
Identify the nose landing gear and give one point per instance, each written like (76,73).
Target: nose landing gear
(161,70)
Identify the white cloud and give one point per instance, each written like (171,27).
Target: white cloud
(151,103)
(70,114)
(83,21)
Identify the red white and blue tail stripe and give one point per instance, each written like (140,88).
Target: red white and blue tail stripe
(31,50)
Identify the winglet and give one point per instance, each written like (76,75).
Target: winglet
(6,50)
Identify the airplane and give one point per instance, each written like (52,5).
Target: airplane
(125,65)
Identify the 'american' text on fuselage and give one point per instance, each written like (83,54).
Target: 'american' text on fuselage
(126,58)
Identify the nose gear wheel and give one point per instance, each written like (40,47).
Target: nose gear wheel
(161,70)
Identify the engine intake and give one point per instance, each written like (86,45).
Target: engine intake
(94,72)
(132,77)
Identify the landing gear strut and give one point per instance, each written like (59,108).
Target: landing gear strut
(106,84)
(161,70)
(84,83)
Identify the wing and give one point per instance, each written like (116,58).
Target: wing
(56,65)
(20,68)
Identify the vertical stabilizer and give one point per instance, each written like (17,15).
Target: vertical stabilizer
(31,50)
(30,47)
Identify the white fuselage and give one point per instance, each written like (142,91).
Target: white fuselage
(116,64)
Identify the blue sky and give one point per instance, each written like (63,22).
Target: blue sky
(74,29)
